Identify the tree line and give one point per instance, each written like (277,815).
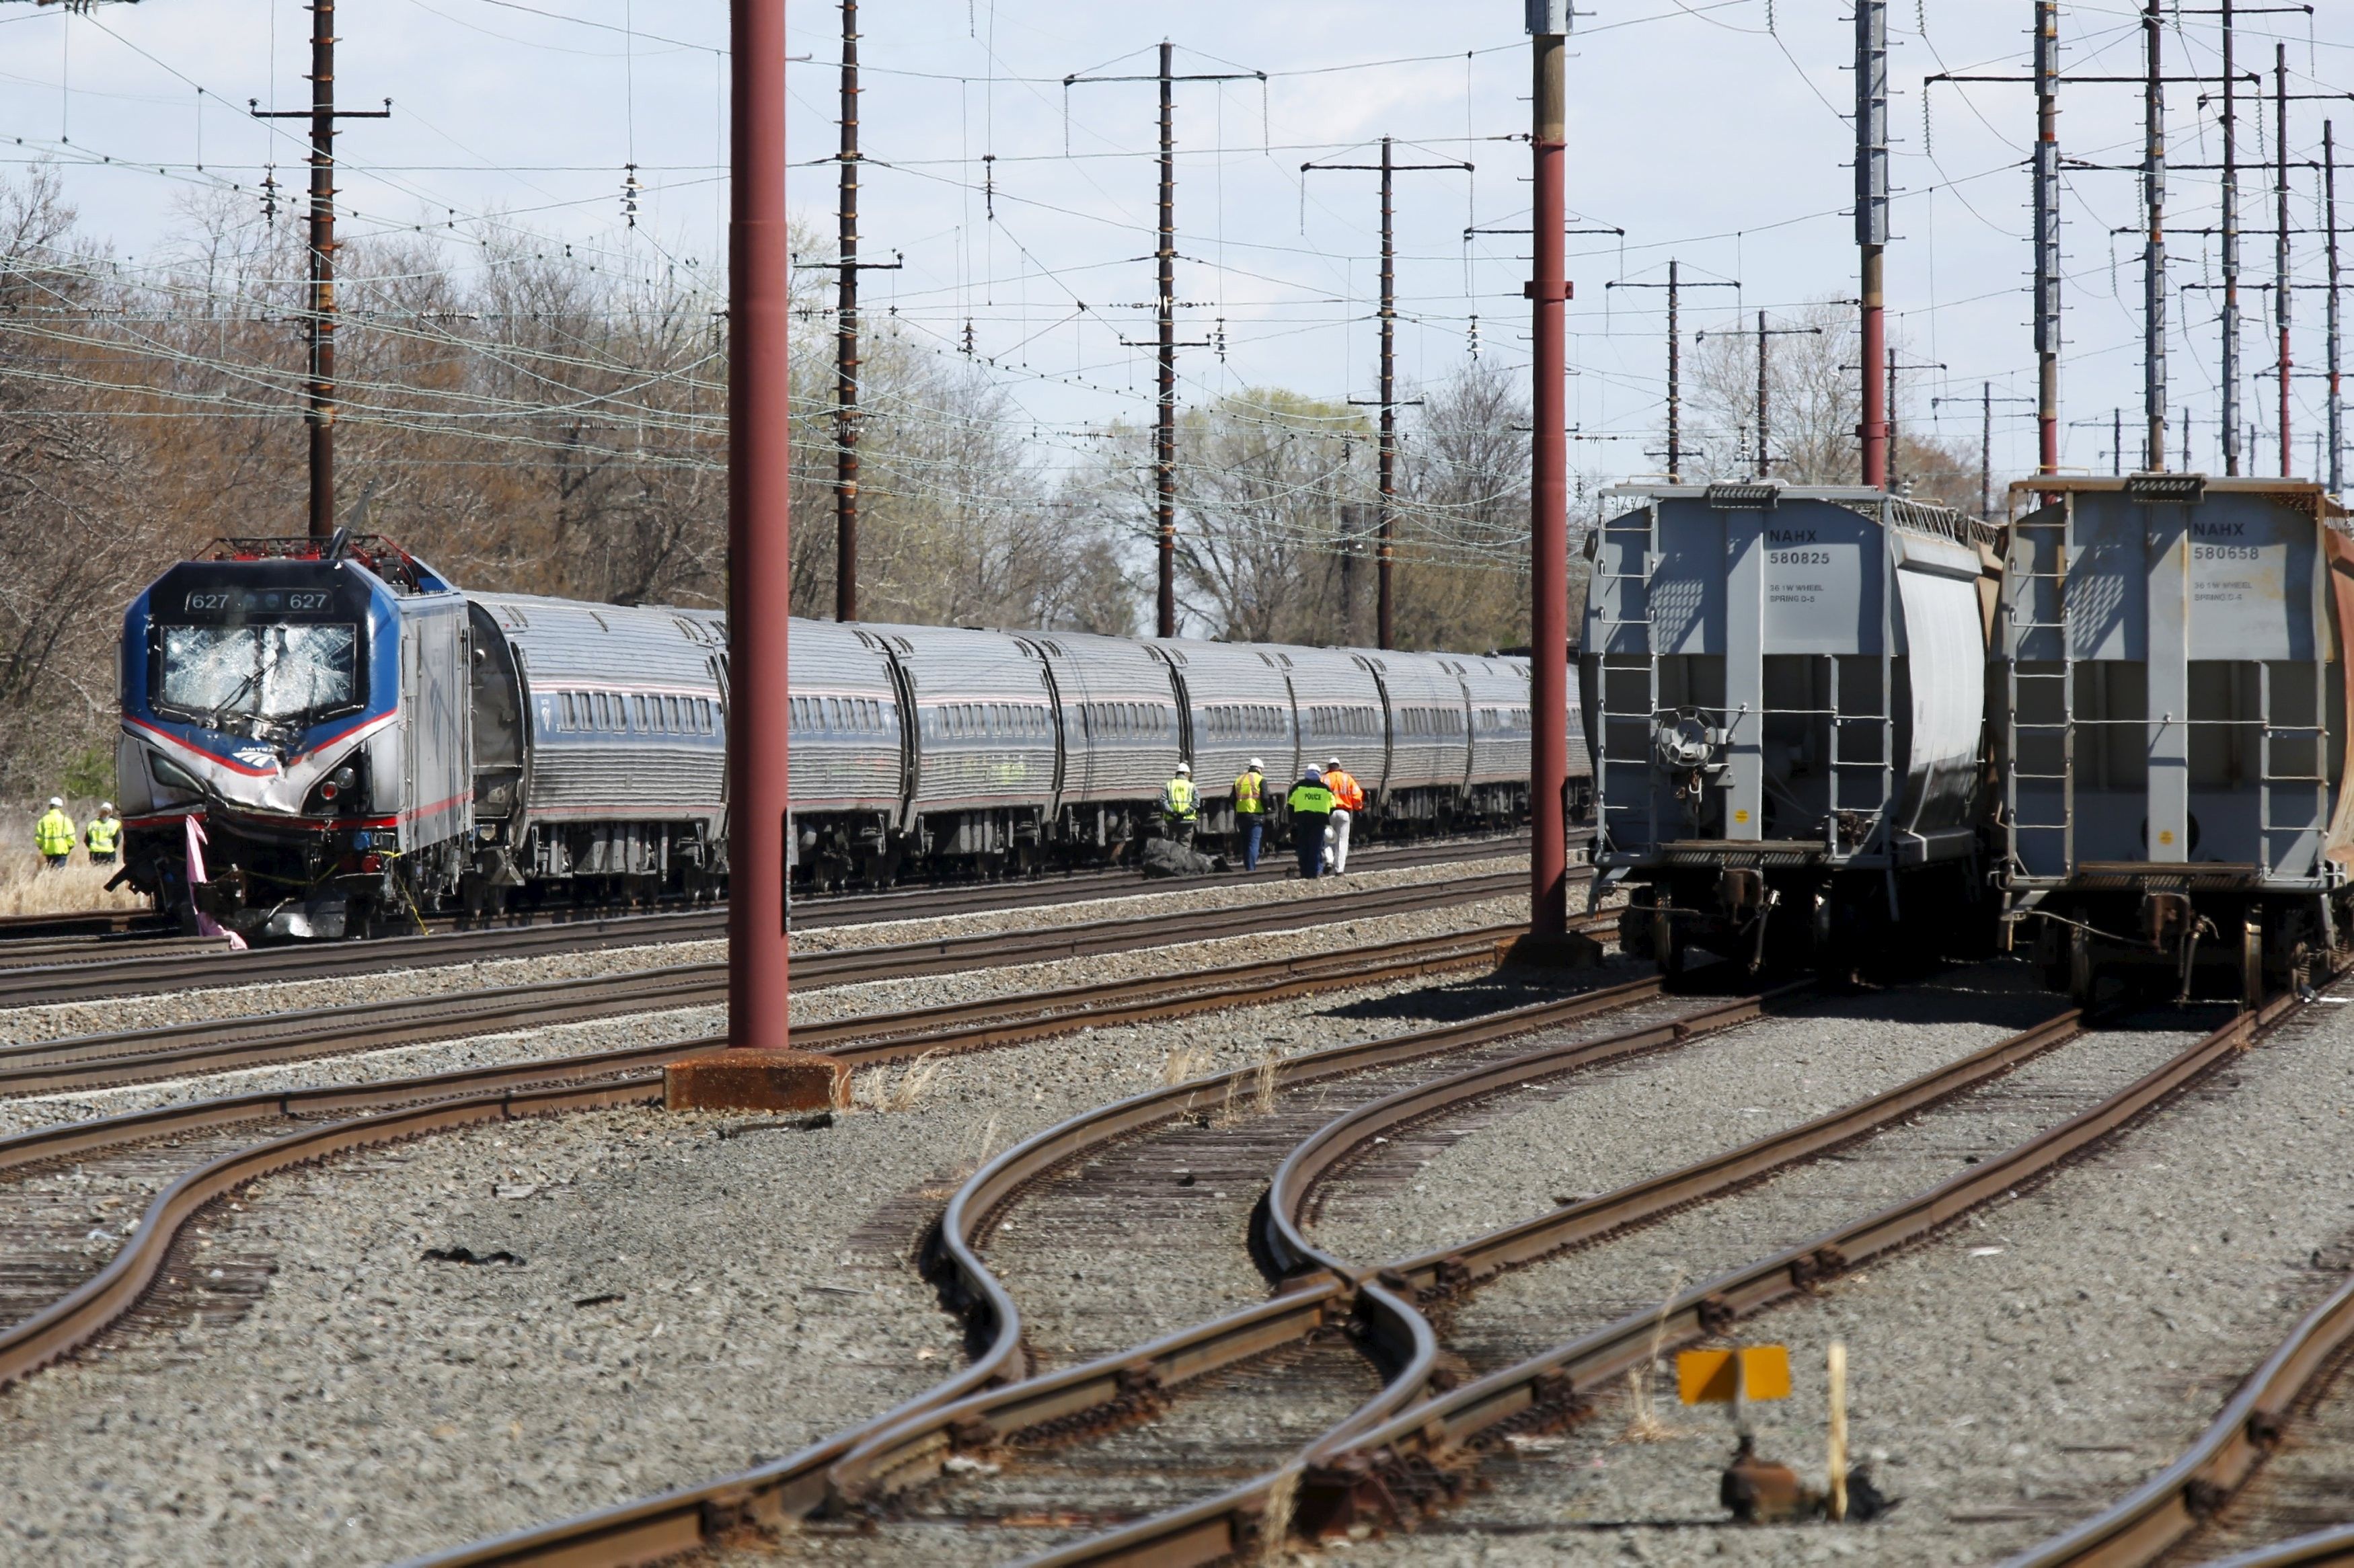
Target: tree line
(542,417)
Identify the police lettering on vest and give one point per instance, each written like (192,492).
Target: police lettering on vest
(1311,800)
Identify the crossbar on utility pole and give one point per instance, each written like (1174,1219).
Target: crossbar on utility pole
(1675,285)
(1985,401)
(1165,446)
(1385,619)
(319,321)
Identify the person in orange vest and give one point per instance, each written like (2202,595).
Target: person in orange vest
(1348,799)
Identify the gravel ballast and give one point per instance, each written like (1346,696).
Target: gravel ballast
(807,1007)
(1493,1164)
(2010,1377)
(25,1026)
(360,1401)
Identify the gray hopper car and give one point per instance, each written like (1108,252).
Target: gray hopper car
(2169,719)
(1785,689)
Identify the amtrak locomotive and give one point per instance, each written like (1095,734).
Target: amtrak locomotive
(327,739)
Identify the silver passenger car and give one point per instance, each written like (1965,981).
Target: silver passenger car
(985,739)
(1122,736)
(2170,726)
(1238,705)
(1786,687)
(1340,715)
(613,758)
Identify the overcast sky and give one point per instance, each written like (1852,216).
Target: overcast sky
(1025,209)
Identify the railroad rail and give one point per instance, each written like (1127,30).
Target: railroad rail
(112,979)
(30,939)
(217,1137)
(172,1051)
(916,1432)
(1414,1447)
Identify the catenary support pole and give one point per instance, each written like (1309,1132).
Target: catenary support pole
(2337,464)
(1872,223)
(2231,380)
(1164,436)
(320,397)
(1675,379)
(2154,245)
(1985,449)
(323,269)
(760,556)
(845,341)
(1385,545)
(2047,235)
(1549,490)
(1765,417)
(2282,293)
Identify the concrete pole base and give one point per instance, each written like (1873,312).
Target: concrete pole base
(1572,951)
(755,1079)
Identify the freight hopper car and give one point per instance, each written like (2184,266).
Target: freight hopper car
(2169,721)
(1786,691)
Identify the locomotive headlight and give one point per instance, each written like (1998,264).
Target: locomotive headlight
(337,782)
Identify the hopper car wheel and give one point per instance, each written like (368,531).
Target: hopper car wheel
(2251,963)
(1667,945)
(2081,974)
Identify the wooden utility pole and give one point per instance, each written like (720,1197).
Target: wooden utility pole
(1164,439)
(1385,619)
(319,321)
(847,355)
(1765,417)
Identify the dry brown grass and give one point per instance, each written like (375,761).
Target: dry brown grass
(1644,1423)
(1184,1063)
(29,887)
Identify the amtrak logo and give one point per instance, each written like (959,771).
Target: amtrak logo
(257,756)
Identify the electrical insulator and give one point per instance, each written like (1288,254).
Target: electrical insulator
(1475,337)
(269,194)
(1219,339)
(629,189)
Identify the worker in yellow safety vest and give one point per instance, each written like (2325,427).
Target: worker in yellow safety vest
(53,835)
(1311,805)
(103,837)
(1180,806)
(1250,810)
(1348,799)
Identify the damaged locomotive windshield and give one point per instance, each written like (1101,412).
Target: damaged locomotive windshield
(273,673)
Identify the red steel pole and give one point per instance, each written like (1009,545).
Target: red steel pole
(1549,503)
(758,559)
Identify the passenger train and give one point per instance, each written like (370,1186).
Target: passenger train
(359,741)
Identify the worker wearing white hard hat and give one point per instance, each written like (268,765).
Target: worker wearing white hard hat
(1250,810)
(53,835)
(103,837)
(1181,806)
(1348,799)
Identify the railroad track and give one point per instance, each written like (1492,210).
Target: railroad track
(1419,1440)
(1418,1446)
(59,1290)
(1000,1395)
(112,979)
(53,941)
(220,1045)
